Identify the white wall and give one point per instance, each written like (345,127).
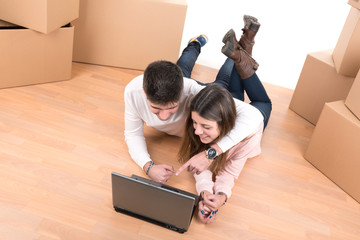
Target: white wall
(289,31)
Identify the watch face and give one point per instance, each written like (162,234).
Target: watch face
(211,152)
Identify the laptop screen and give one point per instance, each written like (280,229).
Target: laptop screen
(156,202)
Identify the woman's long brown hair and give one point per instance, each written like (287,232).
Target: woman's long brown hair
(212,103)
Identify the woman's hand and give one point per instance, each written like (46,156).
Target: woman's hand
(199,162)
(196,164)
(209,205)
(206,215)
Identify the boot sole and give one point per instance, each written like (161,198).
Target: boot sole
(228,36)
(248,19)
(251,23)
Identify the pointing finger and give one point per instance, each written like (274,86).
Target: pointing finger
(182,168)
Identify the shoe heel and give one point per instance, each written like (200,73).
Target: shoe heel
(228,36)
(228,48)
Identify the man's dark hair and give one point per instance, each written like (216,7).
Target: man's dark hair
(163,82)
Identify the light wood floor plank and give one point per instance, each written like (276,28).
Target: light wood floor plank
(59,143)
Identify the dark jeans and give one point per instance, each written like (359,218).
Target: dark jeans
(229,78)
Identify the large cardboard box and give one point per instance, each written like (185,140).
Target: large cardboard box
(346,53)
(318,83)
(354,3)
(29,57)
(41,15)
(352,101)
(129,34)
(334,147)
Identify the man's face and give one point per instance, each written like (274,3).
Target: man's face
(163,112)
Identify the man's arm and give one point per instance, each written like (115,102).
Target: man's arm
(135,140)
(248,119)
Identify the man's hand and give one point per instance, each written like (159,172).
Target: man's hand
(196,164)
(160,173)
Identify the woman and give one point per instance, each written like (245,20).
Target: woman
(212,115)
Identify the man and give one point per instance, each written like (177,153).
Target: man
(160,99)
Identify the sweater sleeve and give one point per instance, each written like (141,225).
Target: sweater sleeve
(134,130)
(204,181)
(225,179)
(236,159)
(248,119)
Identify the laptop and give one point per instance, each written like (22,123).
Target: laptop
(154,202)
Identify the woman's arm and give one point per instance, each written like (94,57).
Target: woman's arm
(236,159)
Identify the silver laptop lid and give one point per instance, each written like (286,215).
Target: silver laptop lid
(153,201)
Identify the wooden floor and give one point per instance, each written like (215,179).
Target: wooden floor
(59,143)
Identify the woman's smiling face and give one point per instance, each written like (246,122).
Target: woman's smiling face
(207,130)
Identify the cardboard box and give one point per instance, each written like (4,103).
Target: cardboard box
(119,33)
(41,15)
(334,147)
(346,53)
(29,57)
(354,3)
(352,101)
(318,83)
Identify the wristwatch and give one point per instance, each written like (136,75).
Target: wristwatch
(211,153)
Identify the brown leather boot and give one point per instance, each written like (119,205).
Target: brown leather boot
(244,63)
(251,27)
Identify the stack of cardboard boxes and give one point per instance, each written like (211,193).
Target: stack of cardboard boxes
(39,39)
(328,96)
(36,41)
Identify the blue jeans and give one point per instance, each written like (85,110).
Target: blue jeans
(229,78)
